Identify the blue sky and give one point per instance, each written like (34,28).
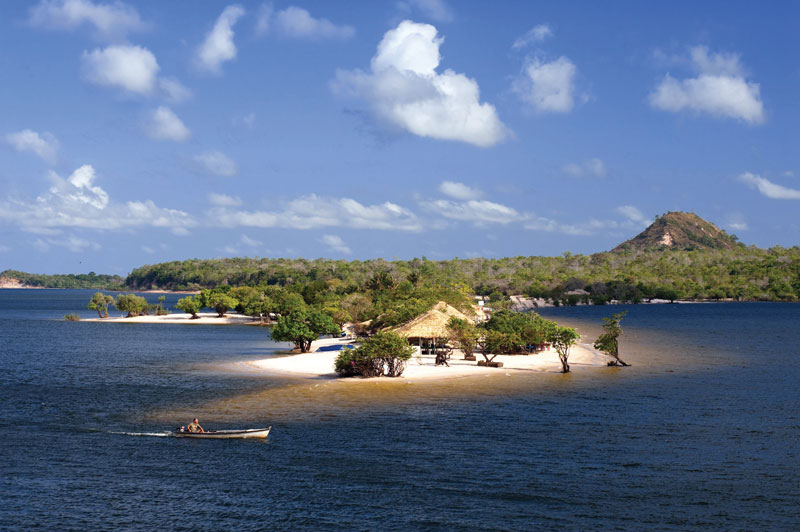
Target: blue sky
(140,132)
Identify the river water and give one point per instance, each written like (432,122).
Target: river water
(701,433)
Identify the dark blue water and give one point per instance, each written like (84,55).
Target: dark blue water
(701,433)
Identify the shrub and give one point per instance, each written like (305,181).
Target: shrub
(384,354)
(72,317)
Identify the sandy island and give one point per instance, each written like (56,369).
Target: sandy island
(205,318)
(420,367)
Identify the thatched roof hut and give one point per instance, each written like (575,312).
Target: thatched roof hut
(432,324)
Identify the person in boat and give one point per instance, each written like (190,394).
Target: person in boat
(194,426)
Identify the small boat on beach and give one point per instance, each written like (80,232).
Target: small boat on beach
(223,434)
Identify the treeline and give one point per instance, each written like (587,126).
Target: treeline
(742,273)
(83,280)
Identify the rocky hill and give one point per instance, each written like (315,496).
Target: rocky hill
(679,230)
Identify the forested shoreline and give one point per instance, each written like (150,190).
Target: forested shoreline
(742,273)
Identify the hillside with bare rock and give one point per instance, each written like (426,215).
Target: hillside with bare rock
(679,231)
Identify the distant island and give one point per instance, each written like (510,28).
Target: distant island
(678,257)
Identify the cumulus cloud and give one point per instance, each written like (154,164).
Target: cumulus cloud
(633,214)
(110,21)
(163,124)
(298,23)
(335,243)
(736,222)
(312,211)
(591,168)
(768,188)
(263,19)
(173,90)
(223,200)
(479,212)
(130,68)
(216,163)
(404,89)
(535,35)
(720,89)
(44,145)
(548,87)
(459,190)
(78,203)
(218,46)
(633,219)
(250,242)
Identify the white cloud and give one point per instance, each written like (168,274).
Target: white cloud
(77,202)
(110,21)
(44,145)
(4,249)
(312,211)
(216,163)
(336,244)
(223,200)
(173,90)
(720,89)
(479,212)
(250,242)
(736,222)
(768,188)
(633,214)
(263,19)
(591,168)
(548,87)
(437,10)
(219,46)
(163,124)
(131,68)
(297,22)
(536,34)
(459,190)
(404,89)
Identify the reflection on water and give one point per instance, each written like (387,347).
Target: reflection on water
(700,433)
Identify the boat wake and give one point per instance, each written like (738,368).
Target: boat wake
(165,434)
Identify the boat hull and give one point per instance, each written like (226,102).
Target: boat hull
(225,434)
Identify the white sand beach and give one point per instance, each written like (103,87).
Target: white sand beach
(422,367)
(205,318)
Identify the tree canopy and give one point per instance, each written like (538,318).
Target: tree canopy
(100,303)
(302,327)
(383,354)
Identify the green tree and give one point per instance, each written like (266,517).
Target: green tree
(222,303)
(608,341)
(464,334)
(132,304)
(189,305)
(492,343)
(302,327)
(563,338)
(383,354)
(100,303)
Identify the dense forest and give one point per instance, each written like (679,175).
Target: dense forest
(742,273)
(83,280)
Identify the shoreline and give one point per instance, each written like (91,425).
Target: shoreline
(205,318)
(319,365)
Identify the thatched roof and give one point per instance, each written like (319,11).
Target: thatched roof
(432,324)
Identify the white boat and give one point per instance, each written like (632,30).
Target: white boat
(223,434)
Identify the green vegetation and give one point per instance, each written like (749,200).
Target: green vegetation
(132,304)
(608,341)
(302,327)
(100,303)
(383,354)
(189,305)
(222,303)
(84,280)
(72,317)
(563,338)
(464,335)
